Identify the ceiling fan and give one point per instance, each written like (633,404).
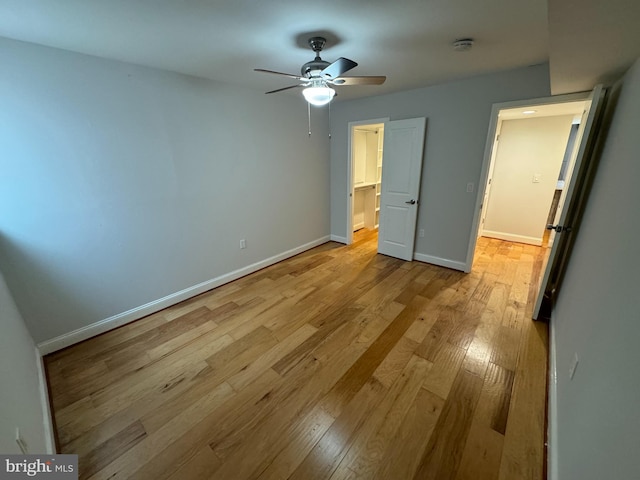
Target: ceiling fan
(318,76)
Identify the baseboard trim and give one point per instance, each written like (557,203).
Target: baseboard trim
(552,408)
(441,262)
(509,237)
(102,326)
(336,238)
(47,419)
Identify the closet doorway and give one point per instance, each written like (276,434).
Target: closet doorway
(366,144)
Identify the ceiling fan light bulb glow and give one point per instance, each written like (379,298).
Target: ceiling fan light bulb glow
(318,96)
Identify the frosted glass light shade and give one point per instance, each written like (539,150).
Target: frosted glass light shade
(318,95)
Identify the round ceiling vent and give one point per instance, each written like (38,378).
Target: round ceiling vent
(463,45)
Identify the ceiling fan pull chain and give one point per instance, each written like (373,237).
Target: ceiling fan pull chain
(309,117)
(329,121)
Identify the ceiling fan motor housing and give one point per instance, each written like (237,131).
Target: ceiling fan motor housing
(315,66)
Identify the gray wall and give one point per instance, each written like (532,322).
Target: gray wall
(121,184)
(457,124)
(21,403)
(597,314)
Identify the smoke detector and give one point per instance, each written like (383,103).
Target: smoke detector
(463,45)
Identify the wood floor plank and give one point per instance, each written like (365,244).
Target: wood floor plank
(265,361)
(304,437)
(201,465)
(337,363)
(523,452)
(437,335)
(482,454)
(178,440)
(254,440)
(365,454)
(267,425)
(481,347)
(141,454)
(364,367)
(402,457)
(446,367)
(393,364)
(443,454)
(106,452)
(324,329)
(330,450)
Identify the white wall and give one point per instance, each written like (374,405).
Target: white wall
(518,208)
(121,184)
(372,156)
(359,156)
(21,400)
(597,315)
(458,116)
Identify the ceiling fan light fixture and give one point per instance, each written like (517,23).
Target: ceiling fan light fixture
(318,95)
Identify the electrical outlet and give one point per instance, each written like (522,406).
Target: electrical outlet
(470,187)
(574,365)
(243,243)
(22,443)
(422,232)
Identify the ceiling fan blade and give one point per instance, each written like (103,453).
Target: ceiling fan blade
(338,67)
(290,75)
(359,80)
(285,88)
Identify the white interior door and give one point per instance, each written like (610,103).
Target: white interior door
(570,209)
(402,165)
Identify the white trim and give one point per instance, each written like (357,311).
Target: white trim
(441,262)
(49,440)
(336,238)
(351,126)
(552,408)
(512,237)
(71,338)
(484,171)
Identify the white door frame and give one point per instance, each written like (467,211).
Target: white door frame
(487,188)
(488,155)
(350,163)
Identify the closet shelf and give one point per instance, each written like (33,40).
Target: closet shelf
(361,186)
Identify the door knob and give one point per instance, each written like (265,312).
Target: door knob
(558,228)
(411,202)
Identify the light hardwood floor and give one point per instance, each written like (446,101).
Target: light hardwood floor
(335,364)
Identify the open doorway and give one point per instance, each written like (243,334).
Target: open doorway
(533,156)
(578,170)
(366,145)
(389,193)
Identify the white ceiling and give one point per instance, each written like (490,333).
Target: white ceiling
(409,41)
